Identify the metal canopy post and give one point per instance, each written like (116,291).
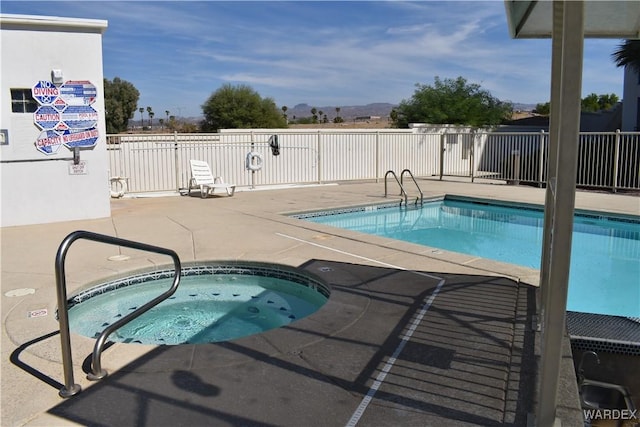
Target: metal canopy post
(568,23)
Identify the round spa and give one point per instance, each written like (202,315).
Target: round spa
(214,302)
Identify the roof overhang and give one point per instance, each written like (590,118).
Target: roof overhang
(602,18)
(51,23)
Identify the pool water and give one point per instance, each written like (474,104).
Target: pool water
(605,267)
(205,308)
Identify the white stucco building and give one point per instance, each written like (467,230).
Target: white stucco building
(52,107)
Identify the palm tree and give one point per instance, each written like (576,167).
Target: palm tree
(166,112)
(151,114)
(284,112)
(141,118)
(313,112)
(628,55)
(149,111)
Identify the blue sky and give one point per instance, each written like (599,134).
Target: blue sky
(177,53)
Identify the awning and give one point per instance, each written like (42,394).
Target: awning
(618,19)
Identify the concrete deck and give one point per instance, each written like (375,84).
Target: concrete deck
(468,356)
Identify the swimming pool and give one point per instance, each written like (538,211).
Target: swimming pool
(212,303)
(605,271)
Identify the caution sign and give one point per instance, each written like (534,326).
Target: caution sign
(47,117)
(48,142)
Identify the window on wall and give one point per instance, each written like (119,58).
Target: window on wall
(22,101)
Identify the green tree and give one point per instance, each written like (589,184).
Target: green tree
(240,107)
(393,117)
(141,118)
(120,100)
(150,115)
(606,102)
(284,112)
(453,101)
(543,109)
(590,103)
(314,114)
(628,54)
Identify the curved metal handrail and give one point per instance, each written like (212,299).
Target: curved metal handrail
(402,192)
(415,182)
(71,389)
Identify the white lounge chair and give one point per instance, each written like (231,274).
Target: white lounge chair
(202,178)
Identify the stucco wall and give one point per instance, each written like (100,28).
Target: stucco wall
(37,187)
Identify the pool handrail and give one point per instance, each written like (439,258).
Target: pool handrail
(71,389)
(402,191)
(415,182)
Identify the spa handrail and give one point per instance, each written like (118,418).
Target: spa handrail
(71,389)
(415,182)
(402,192)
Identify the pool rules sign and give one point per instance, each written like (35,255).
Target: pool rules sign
(65,115)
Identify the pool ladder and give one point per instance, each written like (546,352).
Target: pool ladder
(97,373)
(403,192)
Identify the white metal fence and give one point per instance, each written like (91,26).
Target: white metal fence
(160,162)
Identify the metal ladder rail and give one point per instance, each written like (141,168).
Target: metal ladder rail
(402,191)
(415,182)
(71,389)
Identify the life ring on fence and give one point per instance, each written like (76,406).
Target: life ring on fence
(254,161)
(122,182)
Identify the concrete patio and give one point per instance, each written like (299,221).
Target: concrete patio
(410,336)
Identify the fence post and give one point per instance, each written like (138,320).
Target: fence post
(176,160)
(471,154)
(253,173)
(541,162)
(515,167)
(442,137)
(616,158)
(377,157)
(319,159)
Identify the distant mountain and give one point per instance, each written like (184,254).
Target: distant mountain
(349,112)
(523,107)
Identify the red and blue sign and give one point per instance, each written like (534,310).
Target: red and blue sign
(48,142)
(81,92)
(45,92)
(65,115)
(47,117)
(80,117)
(80,138)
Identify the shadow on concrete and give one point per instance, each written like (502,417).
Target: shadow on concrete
(15,359)
(466,357)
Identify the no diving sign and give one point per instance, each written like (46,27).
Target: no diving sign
(45,92)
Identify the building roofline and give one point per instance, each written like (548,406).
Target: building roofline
(11,21)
